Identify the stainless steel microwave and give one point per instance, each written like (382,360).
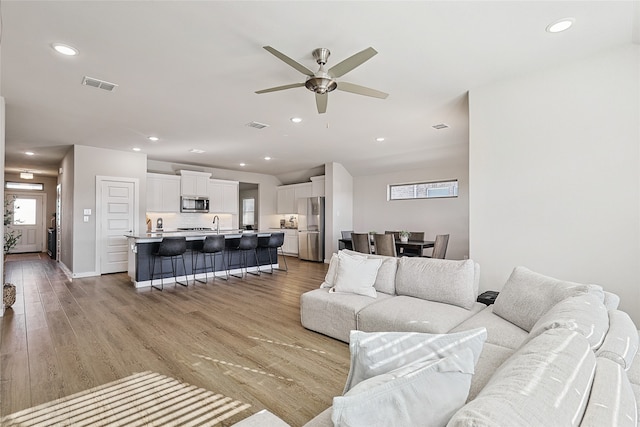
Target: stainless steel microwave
(194,204)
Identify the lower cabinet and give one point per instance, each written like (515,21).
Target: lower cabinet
(290,245)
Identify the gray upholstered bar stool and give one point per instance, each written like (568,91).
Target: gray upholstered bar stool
(212,245)
(248,242)
(172,248)
(274,241)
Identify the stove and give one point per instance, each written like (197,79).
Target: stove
(194,229)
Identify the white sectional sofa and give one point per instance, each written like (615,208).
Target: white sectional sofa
(555,353)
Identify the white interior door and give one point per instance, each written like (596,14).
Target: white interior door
(117,215)
(27,221)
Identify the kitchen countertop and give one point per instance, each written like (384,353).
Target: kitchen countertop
(156,236)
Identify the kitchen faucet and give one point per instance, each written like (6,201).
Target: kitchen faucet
(217,224)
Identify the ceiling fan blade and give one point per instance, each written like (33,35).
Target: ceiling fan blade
(361,90)
(281,56)
(321,102)
(342,68)
(277,88)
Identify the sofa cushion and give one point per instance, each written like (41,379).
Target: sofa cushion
(424,393)
(386,279)
(585,314)
(545,383)
(621,343)
(611,402)
(491,358)
(526,296)
(499,331)
(611,301)
(262,418)
(333,314)
(377,353)
(446,281)
(323,419)
(356,276)
(408,314)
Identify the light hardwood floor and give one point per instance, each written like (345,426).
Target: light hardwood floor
(240,338)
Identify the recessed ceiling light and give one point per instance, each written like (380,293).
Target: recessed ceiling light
(26,175)
(296,119)
(153,138)
(380,139)
(267,158)
(29,153)
(196,150)
(243,164)
(65,49)
(136,149)
(560,25)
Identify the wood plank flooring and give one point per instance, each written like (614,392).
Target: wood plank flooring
(240,338)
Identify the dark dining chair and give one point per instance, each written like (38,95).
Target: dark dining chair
(440,247)
(361,242)
(396,234)
(385,244)
(346,234)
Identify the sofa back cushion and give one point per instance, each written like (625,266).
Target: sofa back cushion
(621,343)
(545,383)
(526,296)
(386,279)
(439,280)
(585,314)
(612,401)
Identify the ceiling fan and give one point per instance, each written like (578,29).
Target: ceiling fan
(323,81)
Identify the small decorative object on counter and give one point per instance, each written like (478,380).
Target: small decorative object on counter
(159,224)
(404,236)
(148,225)
(8,294)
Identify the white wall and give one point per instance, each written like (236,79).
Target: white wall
(338,205)
(373,212)
(555,175)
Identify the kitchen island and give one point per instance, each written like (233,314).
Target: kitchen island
(142,247)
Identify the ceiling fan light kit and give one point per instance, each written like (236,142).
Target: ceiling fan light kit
(322,82)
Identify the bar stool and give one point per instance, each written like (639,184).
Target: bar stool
(212,245)
(172,248)
(248,242)
(275,241)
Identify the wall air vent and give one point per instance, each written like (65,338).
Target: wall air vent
(440,126)
(100,84)
(257,125)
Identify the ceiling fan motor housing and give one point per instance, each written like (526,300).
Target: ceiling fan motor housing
(321,82)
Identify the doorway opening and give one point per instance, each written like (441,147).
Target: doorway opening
(249,206)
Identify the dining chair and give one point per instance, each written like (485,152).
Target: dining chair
(414,235)
(439,246)
(361,242)
(346,234)
(396,234)
(385,244)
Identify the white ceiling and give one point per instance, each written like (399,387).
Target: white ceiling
(187,72)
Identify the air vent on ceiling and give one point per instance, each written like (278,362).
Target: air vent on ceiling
(100,84)
(440,126)
(257,125)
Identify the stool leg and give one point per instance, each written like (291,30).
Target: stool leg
(195,269)
(270,262)
(153,268)
(284,258)
(224,267)
(229,263)
(174,270)
(257,272)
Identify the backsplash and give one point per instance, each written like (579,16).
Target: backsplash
(171,221)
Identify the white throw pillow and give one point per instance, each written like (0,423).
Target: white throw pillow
(356,276)
(424,393)
(375,353)
(526,296)
(332,271)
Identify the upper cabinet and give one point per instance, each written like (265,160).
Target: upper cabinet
(223,196)
(288,195)
(317,186)
(194,184)
(163,193)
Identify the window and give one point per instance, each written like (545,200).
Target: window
(248,210)
(24,211)
(423,190)
(9,185)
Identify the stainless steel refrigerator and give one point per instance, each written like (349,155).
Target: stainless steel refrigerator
(311,228)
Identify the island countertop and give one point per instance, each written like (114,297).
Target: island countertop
(156,236)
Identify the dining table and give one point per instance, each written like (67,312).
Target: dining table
(416,245)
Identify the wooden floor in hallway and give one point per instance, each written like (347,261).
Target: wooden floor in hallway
(240,338)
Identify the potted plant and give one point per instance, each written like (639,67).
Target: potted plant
(404,236)
(11,238)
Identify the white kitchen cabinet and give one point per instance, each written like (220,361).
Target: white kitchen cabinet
(163,193)
(288,195)
(223,196)
(194,184)
(317,186)
(290,245)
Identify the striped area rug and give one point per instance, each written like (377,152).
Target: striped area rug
(143,399)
